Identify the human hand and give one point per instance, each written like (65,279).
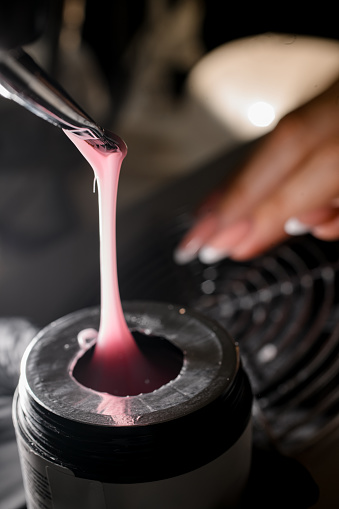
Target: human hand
(289,185)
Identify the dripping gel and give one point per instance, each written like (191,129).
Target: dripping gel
(119,363)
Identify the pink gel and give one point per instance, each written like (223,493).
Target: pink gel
(117,365)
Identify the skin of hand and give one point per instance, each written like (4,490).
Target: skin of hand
(289,184)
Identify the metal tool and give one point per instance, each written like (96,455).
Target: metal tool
(24,82)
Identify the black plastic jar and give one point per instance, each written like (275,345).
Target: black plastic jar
(186,445)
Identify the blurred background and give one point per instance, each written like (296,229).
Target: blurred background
(182,82)
(190,86)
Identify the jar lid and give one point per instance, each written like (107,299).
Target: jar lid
(205,408)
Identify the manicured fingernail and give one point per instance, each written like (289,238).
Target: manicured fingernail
(210,255)
(221,244)
(186,254)
(188,248)
(295,227)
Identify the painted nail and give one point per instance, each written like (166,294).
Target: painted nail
(188,253)
(209,255)
(295,227)
(189,247)
(221,244)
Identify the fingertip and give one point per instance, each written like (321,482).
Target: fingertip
(209,255)
(184,256)
(295,227)
(328,231)
(195,239)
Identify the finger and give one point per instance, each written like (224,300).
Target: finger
(223,241)
(260,239)
(234,201)
(280,153)
(315,184)
(318,216)
(276,156)
(328,230)
(296,135)
(306,221)
(197,237)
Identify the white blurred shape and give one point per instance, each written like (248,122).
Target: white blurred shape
(261,114)
(282,70)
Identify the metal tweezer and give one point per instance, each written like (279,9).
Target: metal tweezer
(24,82)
